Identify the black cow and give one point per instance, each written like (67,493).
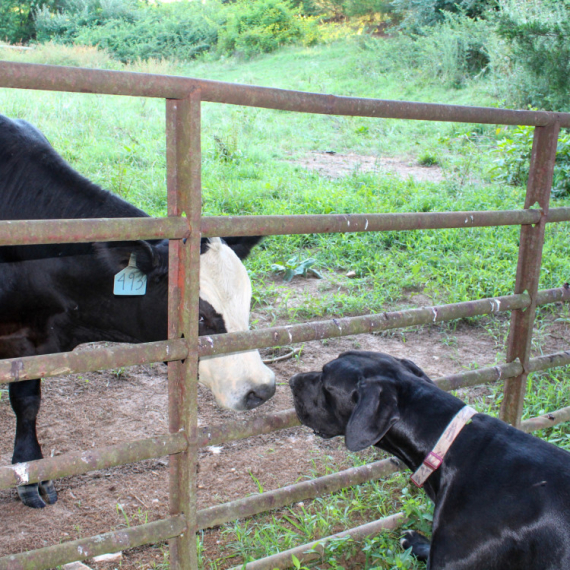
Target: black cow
(54,297)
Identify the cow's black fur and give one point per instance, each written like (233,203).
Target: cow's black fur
(502,497)
(54,297)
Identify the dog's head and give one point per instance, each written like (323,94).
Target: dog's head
(356,395)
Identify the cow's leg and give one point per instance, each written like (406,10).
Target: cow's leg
(25,399)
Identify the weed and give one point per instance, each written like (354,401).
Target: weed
(294,266)
(428,159)
(257,482)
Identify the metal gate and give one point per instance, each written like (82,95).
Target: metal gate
(184,226)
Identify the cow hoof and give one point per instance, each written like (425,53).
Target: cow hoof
(30,496)
(48,492)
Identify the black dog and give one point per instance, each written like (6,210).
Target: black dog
(502,497)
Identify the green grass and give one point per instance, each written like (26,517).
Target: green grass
(249,168)
(267,534)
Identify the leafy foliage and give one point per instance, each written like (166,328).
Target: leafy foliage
(451,52)
(65,20)
(132,30)
(537,33)
(179,30)
(17,18)
(513,160)
(417,14)
(294,266)
(263,26)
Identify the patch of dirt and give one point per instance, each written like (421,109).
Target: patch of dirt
(337,165)
(95,409)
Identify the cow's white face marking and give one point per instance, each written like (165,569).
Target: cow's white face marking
(238,381)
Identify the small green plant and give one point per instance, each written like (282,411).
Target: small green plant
(297,564)
(418,510)
(119,373)
(257,482)
(294,266)
(121,511)
(428,159)
(513,160)
(226,150)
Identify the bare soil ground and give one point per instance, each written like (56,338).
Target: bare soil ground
(102,408)
(336,165)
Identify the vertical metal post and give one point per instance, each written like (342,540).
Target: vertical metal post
(528,269)
(184,199)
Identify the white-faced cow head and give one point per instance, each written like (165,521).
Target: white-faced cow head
(239,381)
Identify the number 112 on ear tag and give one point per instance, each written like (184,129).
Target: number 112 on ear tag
(131,280)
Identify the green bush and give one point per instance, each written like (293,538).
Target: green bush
(449,53)
(416,14)
(537,34)
(263,26)
(131,30)
(513,160)
(179,31)
(63,22)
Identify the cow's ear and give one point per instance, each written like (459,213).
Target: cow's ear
(375,413)
(150,259)
(242,246)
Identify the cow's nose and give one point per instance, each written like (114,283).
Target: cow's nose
(261,394)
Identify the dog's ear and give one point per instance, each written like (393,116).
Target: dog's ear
(375,413)
(416,370)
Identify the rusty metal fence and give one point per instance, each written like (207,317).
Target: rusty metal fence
(185,226)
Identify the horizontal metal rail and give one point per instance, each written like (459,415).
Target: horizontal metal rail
(546,421)
(77,463)
(59,554)
(231,431)
(333,328)
(314,550)
(85,230)
(253,505)
(350,223)
(78,80)
(30,367)
(30,232)
(94,358)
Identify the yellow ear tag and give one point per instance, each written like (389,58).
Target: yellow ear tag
(131,280)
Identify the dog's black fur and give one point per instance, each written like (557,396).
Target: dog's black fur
(502,497)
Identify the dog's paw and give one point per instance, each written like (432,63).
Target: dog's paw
(417,542)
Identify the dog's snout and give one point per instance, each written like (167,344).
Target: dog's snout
(294,380)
